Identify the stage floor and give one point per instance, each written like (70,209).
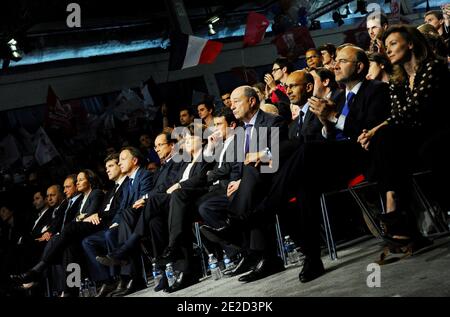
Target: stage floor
(424,274)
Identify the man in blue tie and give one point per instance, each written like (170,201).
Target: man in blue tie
(139,184)
(366,103)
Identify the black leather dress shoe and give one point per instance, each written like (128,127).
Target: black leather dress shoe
(162,285)
(121,286)
(245,264)
(132,287)
(109,260)
(312,269)
(264,268)
(24,278)
(183,280)
(105,289)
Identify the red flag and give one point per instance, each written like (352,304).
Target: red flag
(294,42)
(58,115)
(255,29)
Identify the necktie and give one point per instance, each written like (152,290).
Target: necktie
(345,111)
(300,123)
(130,190)
(65,213)
(248,131)
(113,192)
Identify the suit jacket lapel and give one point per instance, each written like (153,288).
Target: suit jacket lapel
(307,120)
(135,187)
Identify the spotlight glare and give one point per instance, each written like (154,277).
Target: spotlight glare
(211,30)
(214,19)
(16,54)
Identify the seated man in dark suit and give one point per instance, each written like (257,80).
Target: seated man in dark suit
(35,228)
(221,147)
(73,198)
(263,132)
(154,206)
(365,104)
(139,184)
(300,87)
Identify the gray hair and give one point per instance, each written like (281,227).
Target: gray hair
(250,92)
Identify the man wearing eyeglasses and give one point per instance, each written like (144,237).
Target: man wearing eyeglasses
(313,59)
(366,102)
(305,125)
(275,85)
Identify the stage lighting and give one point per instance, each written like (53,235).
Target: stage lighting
(347,11)
(361,7)
(211,30)
(214,19)
(337,18)
(15,52)
(315,25)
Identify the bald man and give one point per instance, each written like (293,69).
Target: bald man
(300,87)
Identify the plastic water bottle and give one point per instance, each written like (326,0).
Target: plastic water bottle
(170,274)
(157,274)
(81,291)
(227,262)
(291,250)
(92,288)
(214,267)
(86,288)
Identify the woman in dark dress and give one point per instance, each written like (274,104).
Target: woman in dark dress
(400,145)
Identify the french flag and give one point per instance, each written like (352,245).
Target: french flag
(188,51)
